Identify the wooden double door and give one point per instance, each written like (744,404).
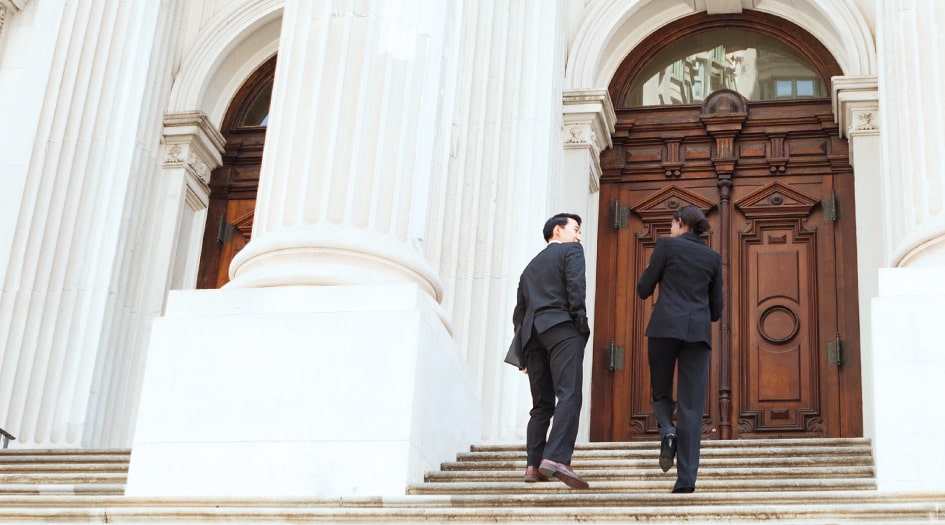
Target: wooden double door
(775,181)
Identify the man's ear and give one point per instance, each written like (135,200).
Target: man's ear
(556,231)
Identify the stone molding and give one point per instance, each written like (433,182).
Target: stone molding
(610,28)
(588,121)
(856,105)
(192,142)
(8,8)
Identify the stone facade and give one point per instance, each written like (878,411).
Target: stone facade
(413,152)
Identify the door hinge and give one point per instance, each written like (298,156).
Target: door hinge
(614,356)
(224,230)
(831,212)
(621,215)
(835,351)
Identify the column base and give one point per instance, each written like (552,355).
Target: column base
(908,365)
(299,391)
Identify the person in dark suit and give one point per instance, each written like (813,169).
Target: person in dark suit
(550,319)
(689,275)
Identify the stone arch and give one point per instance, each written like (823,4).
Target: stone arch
(234,43)
(611,28)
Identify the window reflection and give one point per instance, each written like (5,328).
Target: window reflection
(758,66)
(257,112)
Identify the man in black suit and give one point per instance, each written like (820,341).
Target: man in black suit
(689,275)
(550,318)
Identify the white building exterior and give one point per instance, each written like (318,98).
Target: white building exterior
(414,149)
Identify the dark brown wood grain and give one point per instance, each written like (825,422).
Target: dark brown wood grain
(234,185)
(791,274)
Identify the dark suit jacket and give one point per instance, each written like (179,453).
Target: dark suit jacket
(690,277)
(551,290)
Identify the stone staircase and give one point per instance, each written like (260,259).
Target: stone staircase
(63,472)
(789,481)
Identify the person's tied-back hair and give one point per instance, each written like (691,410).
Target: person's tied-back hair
(560,219)
(694,218)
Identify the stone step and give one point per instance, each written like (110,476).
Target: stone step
(707,452)
(650,462)
(706,444)
(786,508)
(614,474)
(636,486)
(18,490)
(70,455)
(63,478)
(48,467)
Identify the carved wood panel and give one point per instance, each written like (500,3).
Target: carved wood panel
(787,291)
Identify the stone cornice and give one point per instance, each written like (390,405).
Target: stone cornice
(856,105)
(589,119)
(193,142)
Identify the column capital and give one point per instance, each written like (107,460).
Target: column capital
(8,8)
(856,105)
(589,118)
(588,121)
(193,142)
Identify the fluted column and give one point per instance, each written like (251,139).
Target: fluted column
(502,143)
(348,158)
(69,329)
(908,40)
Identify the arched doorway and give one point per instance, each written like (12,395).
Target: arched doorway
(732,114)
(233,186)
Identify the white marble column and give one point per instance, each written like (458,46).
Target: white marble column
(347,164)
(908,362)
(908,41)
(502,145)
(78,131)
(328,354)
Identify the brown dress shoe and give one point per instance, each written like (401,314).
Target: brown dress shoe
(563,472)
(533,475)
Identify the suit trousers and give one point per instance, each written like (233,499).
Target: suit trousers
(692,359)
(555,363)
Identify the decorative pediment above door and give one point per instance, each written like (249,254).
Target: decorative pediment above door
(776,200)
(661,205)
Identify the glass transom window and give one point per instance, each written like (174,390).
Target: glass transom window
(757,66)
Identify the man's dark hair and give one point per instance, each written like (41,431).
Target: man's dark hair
(560,219)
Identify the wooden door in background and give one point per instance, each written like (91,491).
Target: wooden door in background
(233,186)
(775,182)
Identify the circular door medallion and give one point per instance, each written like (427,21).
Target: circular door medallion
(778,325)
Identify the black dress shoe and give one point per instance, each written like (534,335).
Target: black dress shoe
(667,451)
(683,490)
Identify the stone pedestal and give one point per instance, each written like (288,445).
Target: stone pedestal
(907,385)
(299,391)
